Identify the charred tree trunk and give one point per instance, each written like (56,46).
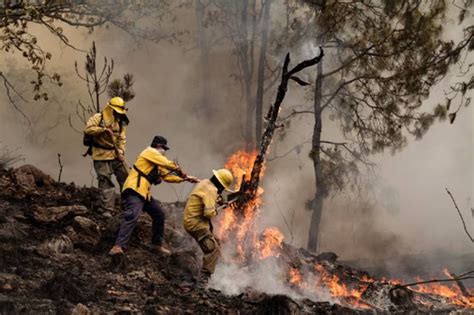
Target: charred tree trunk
(250,188)
(321,191)
(261,74)
(204,58)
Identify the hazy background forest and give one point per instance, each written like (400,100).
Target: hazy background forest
(401,207)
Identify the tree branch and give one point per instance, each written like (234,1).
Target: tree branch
(460,215)
(8,88)
(295,148)
(433,281)
(296,112)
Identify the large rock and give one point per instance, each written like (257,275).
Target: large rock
(55,215)
(6,186)
(188,262)
(8,282)
(61,244)
(30,178)
(81,309)
(86,232)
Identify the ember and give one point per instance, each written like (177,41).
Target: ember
(271,243)
(323,281)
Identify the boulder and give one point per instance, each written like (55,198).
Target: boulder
(6,185)
(30,178)
(56,215)
(81,309)
(7,282)
(87,232)
(188,263)
(61,244)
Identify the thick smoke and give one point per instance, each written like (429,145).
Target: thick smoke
(412,214)
(268,276)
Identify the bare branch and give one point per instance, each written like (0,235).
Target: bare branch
(289,225)
(296,112)
(460,215)
(296,148)
(8,88)
(60,167)
(433,281)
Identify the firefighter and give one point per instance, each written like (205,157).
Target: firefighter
(150,168)
(201,206)
(104,134)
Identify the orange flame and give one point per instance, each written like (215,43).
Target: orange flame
(340,290)
(239,232)
(241,163)
(271,243)
(295,276)
(241,229)
(450,292)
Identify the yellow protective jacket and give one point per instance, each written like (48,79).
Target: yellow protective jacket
(201,206)
(96,126)
(145,162)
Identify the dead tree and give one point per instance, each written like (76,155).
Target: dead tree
(249,188)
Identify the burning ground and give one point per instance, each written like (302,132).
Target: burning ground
(264,262)
(53,261)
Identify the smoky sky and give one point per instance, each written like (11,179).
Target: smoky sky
(411,212)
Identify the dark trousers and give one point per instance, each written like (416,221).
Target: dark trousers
(132,205)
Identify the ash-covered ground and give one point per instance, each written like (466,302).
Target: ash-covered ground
(53,260)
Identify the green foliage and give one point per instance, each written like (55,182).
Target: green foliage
(16,37)
(383,61)
(122,88)
(338,170)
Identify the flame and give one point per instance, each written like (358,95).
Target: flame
(295,277)
(271,243)
(240,229)
(340,290)
(451,292)
(241,163)
(237,231)
(226,223)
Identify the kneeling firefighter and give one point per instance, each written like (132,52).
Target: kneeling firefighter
(150,168)
(201,206)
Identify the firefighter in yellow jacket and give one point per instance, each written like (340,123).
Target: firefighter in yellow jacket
(106,133)
(201,206)
(150,168)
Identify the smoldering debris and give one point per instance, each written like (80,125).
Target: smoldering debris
(64,267)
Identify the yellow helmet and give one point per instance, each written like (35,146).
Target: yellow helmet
(225,177)
(118,105)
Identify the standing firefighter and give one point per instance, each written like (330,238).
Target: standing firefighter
(150,168)
(200,208)
(105,135)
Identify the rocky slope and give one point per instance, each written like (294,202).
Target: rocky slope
(53,260)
